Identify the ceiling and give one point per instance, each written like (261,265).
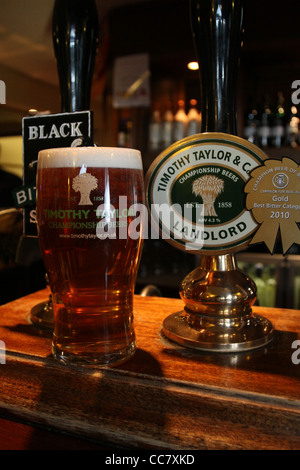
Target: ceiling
(27,56)
(26,31)
(26,50)
(26,35)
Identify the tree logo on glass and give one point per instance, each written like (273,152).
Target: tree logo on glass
(201,179)
(84,183)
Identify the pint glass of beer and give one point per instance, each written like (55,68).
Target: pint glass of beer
(89,203)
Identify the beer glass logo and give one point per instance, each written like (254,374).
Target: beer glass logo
(208,187)
(84,183)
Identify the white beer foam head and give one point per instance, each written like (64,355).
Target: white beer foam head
(100,157)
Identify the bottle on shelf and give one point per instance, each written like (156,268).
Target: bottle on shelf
(297,289)
(278,129)
(265,125)
(270,287)
(155,129)
(180,122)
(124,138)
(167,126)
(193,119)
(292,128)
(251,125)
(285,283)
(260,284)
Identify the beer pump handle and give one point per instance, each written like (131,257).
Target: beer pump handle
(75,38)
(217,27)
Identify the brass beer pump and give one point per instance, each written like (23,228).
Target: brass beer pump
(217,296)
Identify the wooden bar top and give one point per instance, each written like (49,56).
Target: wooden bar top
(165,397)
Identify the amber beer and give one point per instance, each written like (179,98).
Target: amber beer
(90,238)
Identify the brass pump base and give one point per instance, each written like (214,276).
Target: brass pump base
(217,315)
(41,315)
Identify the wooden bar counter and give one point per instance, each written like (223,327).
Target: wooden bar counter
(165,397)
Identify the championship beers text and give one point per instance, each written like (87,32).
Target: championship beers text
(109,222)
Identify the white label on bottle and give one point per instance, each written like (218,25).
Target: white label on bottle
(167,133)
(192,127)
(178,130)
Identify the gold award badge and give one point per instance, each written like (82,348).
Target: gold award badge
(273,197)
